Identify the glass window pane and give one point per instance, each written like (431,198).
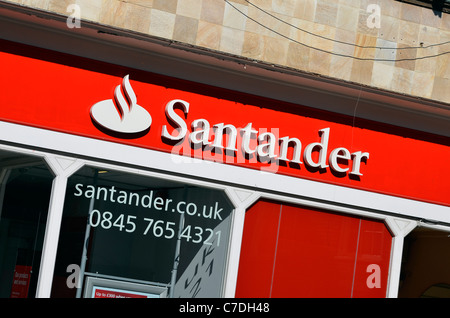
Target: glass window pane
(153,231)
(25,186)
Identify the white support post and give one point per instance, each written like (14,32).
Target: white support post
(241,200)
(62,168)
(400,228)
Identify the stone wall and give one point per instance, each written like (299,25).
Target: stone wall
(328,37)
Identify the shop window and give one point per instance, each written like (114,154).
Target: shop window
(294,251)
(437,291)
(25,186)
(425,264)
(141,237)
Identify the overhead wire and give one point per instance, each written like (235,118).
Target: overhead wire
(343,42)
(335,53)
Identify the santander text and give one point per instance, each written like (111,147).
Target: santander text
(268,147)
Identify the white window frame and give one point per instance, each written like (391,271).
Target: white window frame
(66,153)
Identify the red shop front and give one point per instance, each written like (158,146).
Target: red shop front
(235,194)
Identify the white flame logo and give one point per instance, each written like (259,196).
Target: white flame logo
(122,114)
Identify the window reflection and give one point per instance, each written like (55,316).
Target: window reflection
(25,186)
(132,228)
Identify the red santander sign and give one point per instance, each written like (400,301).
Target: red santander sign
(102,101)
(122,115)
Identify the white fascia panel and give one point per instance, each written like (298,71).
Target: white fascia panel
(268,184)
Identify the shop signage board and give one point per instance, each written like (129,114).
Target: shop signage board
(106,102)
(114,288)
(113,293)
(122,115)
(21,281)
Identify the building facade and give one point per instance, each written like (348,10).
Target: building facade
(224,148)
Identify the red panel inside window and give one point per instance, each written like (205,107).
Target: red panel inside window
(261,239)
(374,249)
(290,251)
